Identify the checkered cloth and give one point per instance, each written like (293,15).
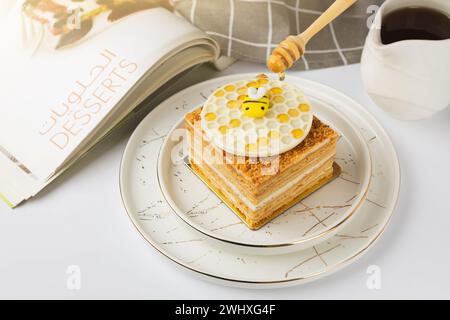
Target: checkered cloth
(251,29)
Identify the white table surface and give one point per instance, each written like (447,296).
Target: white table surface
(79,220)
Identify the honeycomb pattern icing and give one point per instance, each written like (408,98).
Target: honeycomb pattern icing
(286,123)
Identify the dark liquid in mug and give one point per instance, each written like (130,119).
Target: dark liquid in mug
(415,23)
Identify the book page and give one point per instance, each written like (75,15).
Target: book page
(53,98)
(63,91)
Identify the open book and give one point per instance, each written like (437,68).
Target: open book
(70,74)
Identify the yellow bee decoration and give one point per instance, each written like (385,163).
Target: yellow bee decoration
(256,103)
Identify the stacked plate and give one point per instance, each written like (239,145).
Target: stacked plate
(184,220)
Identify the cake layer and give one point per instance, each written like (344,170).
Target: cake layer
(256,218)
(258,189)
(276,188)
(204,151)
(256,195)
(251,171)
(255,205)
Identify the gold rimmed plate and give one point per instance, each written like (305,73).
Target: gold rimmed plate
(313,218)
(166,232)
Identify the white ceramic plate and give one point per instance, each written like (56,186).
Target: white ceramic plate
(166,232)
(299,227)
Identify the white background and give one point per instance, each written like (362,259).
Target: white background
(79,220)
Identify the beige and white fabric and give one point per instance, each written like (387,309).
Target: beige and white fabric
(250,29)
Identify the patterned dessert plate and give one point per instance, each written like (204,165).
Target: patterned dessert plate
(314,219)
(171,236)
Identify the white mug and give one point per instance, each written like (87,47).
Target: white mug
(409,79)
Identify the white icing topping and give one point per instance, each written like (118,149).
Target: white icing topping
(284,125)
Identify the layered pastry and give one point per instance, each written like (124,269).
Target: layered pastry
(259,147)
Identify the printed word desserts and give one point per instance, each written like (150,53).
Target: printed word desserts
(259,147)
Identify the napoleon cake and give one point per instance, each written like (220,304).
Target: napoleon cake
(258,146)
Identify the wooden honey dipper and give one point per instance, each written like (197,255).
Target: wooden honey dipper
(293,47)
